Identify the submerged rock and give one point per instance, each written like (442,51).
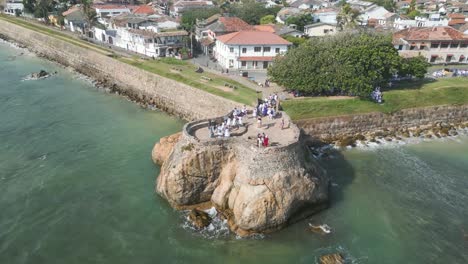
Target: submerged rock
(332,259)
(38,75)
(199,218)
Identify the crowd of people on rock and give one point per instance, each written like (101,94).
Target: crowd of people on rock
(446,73)
(266,108)
(232,121)
(377,95)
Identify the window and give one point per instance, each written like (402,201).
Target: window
(277,50)
(412,47)
(231,50)
(258,49)
(254,63)
(325,31)
(244,50)
(231,63)
(464,45)
(244,63)
(400,47)
(434,45)
(266,49)
(454,45)
(449,58)
(444,45)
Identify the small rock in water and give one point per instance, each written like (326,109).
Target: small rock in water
(320,229)
(199,218)
(332,259)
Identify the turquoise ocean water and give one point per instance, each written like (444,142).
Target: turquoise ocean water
(77,186)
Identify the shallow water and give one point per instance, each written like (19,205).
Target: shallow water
(77,186)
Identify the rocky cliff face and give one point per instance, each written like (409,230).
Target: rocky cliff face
(256,189)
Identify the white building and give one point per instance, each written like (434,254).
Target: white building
(181,6)
(104,11)
(320,29)
(327,15)
(246,50)
(13,5)
(144,36)
(418,22)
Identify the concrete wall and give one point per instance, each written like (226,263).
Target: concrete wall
(331,127)
(171,96)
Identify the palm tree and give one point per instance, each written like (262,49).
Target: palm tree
(348,17)
(89,14)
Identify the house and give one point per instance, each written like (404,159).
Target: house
(181,6)
(153,37)
(380,15)
(105,11)
(320,29)
(144,10)
(75,19)
(327,15)
(280,30)
(207,30)
(456,20)
(13,6)
(401,23)
(249,50)
(309,4)
(437,44)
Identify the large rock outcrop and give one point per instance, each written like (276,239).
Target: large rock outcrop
(256,189)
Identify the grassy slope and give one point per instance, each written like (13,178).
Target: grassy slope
(241,94)
(449,91)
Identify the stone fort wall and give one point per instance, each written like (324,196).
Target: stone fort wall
(170,96)
(340,126)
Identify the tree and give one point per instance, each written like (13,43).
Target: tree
(42,9)
(2,5)
(413,14)
(29,6)
(300,21)
(296,41)
(347,18)
(415,66)
(268,19)
(251,11)
(351,63)
(189,17)
(89,13)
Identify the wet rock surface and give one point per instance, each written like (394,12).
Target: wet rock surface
(199,219)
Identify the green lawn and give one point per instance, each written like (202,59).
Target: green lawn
(184,72)
(214,83)
(449,91)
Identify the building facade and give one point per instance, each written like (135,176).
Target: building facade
(249,50)
(439,45)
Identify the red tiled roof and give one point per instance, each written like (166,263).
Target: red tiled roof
(144,9)
(258,58)
(267,28)
(253,38)
(457,21)
(71,10)
(456,15)
(233,24)
(429,33)
(114,7)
